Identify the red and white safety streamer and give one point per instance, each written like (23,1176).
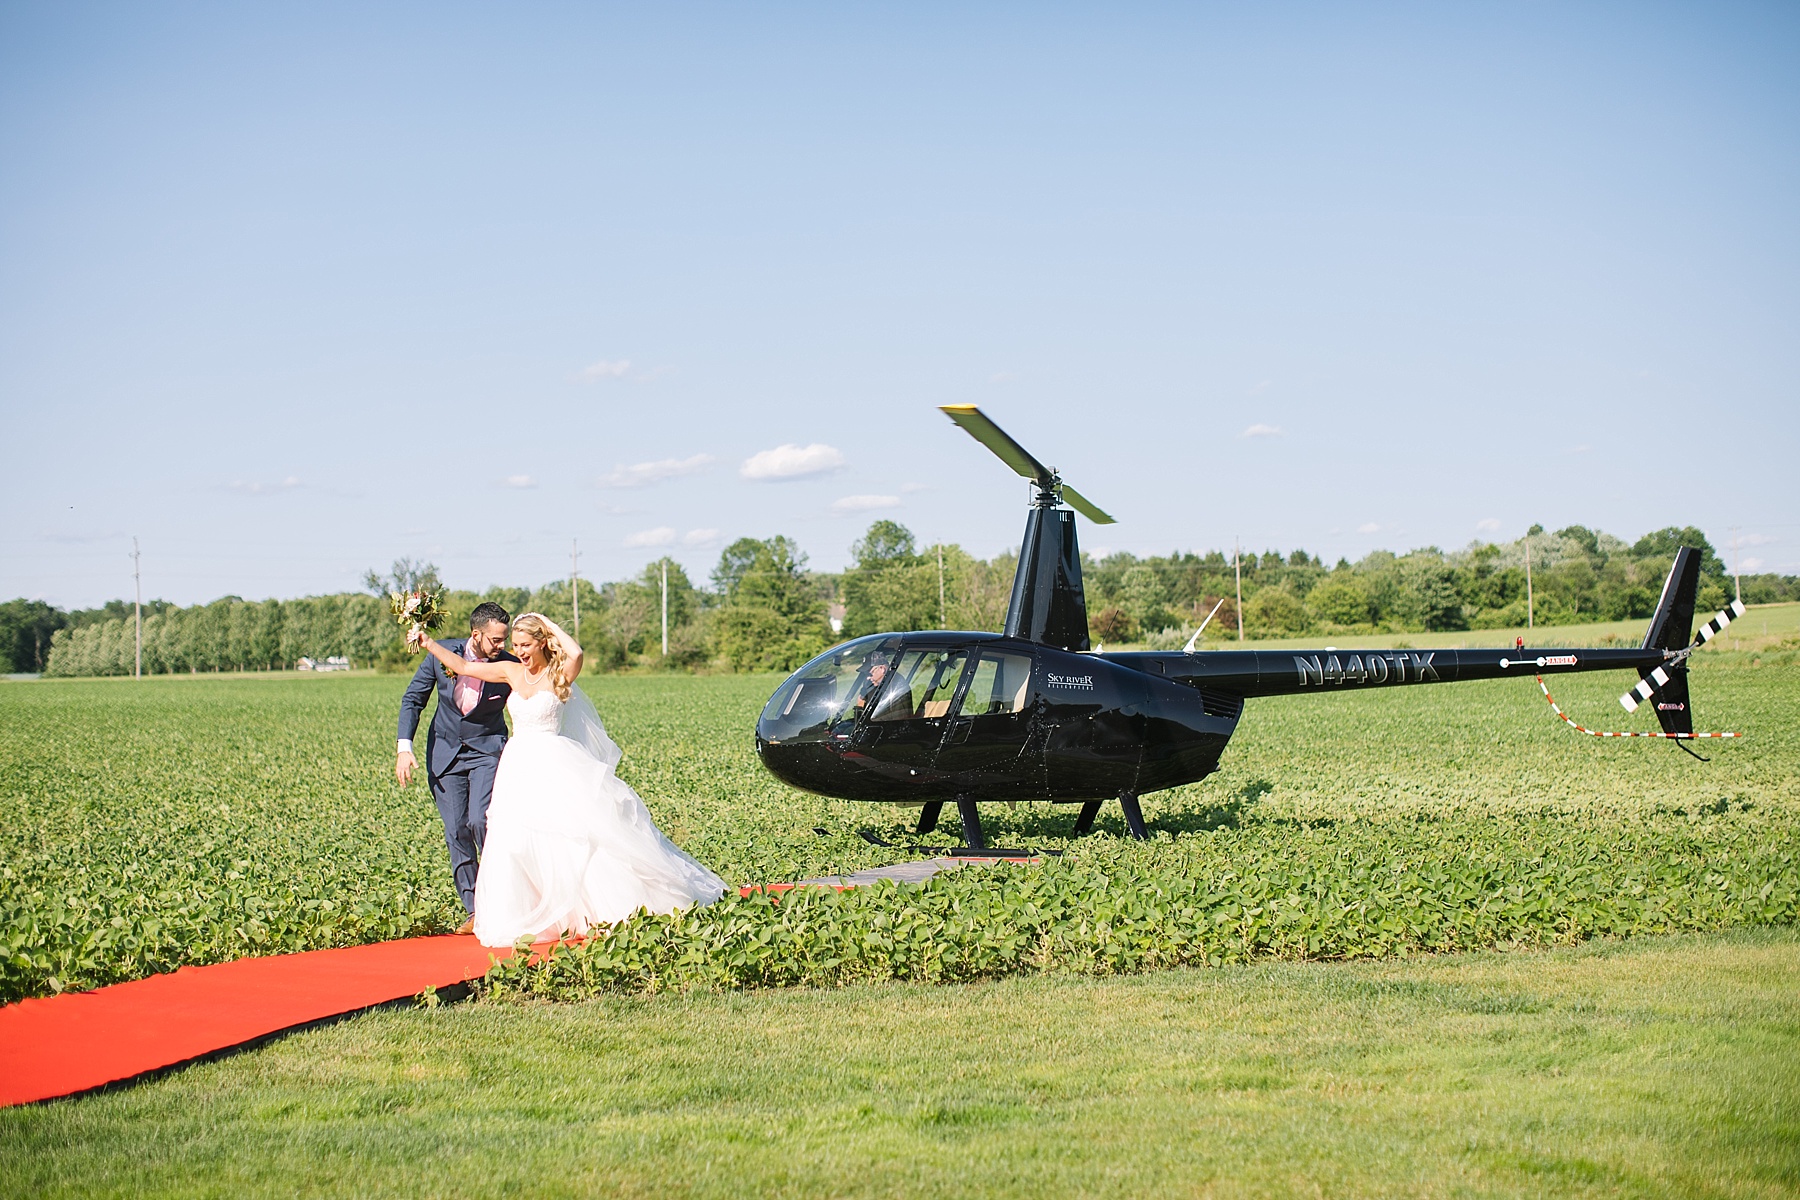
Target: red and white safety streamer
(1680,737)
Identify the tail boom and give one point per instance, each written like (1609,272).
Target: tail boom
(1293,672)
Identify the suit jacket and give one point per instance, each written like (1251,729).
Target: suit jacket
(482,729)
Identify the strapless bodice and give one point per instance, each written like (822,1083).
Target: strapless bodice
(537,713)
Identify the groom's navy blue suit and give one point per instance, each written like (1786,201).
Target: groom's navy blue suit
(460,757)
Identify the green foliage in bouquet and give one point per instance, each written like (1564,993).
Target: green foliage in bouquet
(420,612)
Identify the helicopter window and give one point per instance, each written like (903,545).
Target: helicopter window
(942,687)
(923,685)
(832,687)
(1000,684)
(896,703)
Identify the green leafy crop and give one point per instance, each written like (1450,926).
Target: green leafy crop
(173,821)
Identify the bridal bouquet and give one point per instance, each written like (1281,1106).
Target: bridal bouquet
(418,611)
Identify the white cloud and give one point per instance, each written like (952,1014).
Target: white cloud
(700,537)
(1752,564)
(1003,376)
(907,489)
(1261,386)
(595,372)
(1260,430)
(1368,527)
(1488,525)
(852,504)
(641,474)
(662,535)
(792,462)
(258,488)
(518,481)
(1755,539)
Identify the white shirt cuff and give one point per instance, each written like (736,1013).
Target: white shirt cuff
(405,746)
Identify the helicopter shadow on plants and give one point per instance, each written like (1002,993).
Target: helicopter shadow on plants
(1231,812)
(1058,821)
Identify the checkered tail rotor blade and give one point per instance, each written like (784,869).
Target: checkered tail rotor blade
(1658,678)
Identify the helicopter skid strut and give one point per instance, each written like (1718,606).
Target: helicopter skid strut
(974,839)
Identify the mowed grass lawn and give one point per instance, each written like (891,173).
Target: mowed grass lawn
(1656,1067)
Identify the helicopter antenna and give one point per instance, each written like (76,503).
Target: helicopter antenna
(1195,640)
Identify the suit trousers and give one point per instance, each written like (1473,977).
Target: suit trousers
(462,791)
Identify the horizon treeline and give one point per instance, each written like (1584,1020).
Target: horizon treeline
(764,610)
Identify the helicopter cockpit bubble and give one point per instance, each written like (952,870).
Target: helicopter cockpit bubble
(831,689)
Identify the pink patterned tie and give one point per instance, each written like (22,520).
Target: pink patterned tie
(467,691)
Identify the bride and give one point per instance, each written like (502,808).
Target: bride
(569,844)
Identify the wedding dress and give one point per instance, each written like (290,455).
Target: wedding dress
(569,844)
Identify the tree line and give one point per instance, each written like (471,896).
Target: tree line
(763,609)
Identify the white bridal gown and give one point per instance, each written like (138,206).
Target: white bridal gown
(569,844)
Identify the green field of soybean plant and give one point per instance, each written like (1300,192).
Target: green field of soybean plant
(1243,1006)
(191,820)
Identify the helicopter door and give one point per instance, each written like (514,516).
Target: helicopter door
(987,736)
(907,724)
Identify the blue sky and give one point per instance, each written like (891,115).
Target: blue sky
(289,293)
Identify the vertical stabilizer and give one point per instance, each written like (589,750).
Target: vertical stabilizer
(1048,605)
(1672,629)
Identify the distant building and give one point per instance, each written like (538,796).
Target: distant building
(836,614)
(336,662)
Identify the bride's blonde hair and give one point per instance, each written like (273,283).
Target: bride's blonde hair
(554,658)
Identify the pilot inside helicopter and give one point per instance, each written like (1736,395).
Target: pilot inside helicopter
(872,679)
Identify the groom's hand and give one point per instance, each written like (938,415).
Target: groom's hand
(404,766)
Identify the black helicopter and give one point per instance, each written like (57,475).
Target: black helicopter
(1033,714)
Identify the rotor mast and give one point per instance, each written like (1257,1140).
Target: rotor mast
(1048,605)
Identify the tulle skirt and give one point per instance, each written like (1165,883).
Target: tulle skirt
(570,845)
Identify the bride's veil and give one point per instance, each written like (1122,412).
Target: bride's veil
(581,723)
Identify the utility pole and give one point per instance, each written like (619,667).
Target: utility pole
(1528,606)
(1237,568)
(665,606)
(137,607)
(943,622)
(1737,584)
(575,583)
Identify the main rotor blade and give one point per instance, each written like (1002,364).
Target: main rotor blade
(1084,506)
(977,425)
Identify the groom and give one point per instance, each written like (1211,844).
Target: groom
(467,734)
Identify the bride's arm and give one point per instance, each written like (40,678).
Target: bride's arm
(456,664)
(572,655)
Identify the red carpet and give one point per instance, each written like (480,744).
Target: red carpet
(64,1044)
(61,1045)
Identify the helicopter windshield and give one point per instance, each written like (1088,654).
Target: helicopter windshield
(832,688)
